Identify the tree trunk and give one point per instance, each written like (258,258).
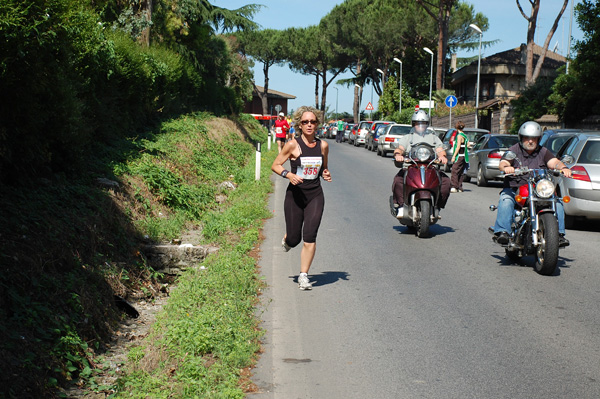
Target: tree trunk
(317,90)
(538,66)
(146,8)
(324,91)
(263,96)
(357,95)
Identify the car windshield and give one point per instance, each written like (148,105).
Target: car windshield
(399,130)
(503,141)
(590,152)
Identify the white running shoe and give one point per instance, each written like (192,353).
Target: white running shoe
(453,190)
(304,283)
(284,245)
(400,213)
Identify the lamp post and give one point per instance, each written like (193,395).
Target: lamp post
(430,77)
(336,102)
(476,29)
(400,85)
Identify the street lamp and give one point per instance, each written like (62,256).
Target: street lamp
(400,85)
(336,102)
(430,77)
(476,29)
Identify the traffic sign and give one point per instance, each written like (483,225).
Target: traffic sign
(451,101)
(369,107)
(277,108)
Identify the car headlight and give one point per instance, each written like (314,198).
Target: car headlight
(423,154)
(544,188)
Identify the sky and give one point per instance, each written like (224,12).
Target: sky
(506,24)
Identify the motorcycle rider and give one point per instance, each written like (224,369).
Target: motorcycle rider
(533,156)
(418,134)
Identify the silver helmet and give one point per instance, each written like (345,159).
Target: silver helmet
(420,116)
(530,129)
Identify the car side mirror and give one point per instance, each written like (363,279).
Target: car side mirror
(567,159)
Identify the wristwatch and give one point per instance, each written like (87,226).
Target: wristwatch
(284,173)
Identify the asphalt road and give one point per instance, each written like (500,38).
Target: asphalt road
(395,316)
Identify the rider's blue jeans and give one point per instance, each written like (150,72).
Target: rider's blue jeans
(506,206)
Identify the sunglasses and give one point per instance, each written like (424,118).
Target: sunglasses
(313,122)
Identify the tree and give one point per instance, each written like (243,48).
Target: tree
(577,95)
(453,19)
(310,52)
(266,47)
(530,74)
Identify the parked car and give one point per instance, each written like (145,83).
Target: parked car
(485,155)
(372,137)
(555,141)
(551,132)
(391,134)
(320,132)
(347,130)
(581,153)
(472,133)
(352,133)
(361,132)
(440,131)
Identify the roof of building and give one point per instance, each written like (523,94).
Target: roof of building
(273,93)
(516,56)
(509,62)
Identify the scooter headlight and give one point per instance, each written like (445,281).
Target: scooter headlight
(423,154)
(544,188)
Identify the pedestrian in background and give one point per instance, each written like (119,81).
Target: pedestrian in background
(460,158)
(339,137)
(304,199)
(281,131)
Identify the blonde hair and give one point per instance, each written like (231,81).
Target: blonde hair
(298,116)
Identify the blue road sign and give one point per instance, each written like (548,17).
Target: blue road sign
(451,101)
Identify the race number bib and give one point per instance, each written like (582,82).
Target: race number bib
(309,167)
(278,130)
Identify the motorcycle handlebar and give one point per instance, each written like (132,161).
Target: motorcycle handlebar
(525,170)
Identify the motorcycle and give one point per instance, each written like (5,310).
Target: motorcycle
(422,189)
(534,230)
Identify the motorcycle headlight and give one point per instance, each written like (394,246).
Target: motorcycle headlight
(423,154)
(544,188)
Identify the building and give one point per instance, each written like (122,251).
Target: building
(274,98)
(502,77)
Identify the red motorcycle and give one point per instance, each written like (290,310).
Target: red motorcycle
(422,189)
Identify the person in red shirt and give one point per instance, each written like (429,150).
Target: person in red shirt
(281,130)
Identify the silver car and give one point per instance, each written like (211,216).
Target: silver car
(391,134)
(484,157)
(472,133)
(581,153)
(361,132)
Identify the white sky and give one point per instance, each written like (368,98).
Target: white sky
(506,24)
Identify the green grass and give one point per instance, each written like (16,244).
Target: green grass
(67,246)
(208,333)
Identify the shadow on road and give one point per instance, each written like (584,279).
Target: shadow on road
(529,261)
(434,230)
(325,278)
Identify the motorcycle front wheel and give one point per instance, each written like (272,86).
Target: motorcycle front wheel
(425,219)
(546,256)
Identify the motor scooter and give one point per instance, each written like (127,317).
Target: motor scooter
(534,230)
(422,189)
